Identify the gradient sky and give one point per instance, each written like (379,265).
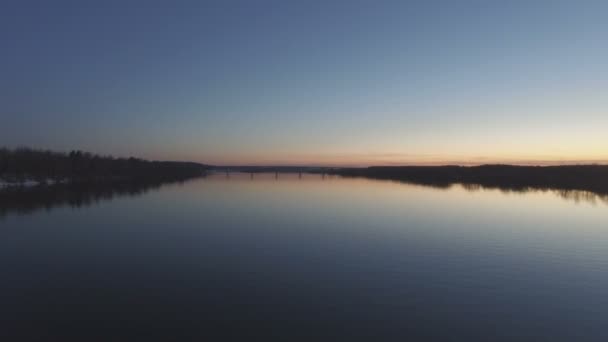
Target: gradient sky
(308,82)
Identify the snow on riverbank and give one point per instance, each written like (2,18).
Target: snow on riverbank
(28,183)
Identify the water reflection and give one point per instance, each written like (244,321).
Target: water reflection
(577,196)
(27,200)
(314,258)
(24,200)
(574,182)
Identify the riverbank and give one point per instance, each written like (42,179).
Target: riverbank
(31,167)
(592,178)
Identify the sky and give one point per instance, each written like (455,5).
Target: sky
(358,83)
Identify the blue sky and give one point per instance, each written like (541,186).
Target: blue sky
(308,82)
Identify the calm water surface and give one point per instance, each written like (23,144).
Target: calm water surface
(308,258)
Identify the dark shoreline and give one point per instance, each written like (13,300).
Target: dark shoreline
(26,165)
(30,168)
(591,178)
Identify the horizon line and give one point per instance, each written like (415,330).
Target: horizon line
(428,164)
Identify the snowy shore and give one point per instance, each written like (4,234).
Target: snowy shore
(28,183)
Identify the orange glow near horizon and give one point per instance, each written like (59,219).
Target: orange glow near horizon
(565,140)
(387,159)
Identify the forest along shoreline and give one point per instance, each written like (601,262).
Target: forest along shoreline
(27,167)
(591,178)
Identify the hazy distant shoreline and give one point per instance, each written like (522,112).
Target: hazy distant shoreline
(30,167)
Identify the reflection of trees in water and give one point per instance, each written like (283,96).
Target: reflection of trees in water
(23,200)
(577,196)
(587,183)
(582,196)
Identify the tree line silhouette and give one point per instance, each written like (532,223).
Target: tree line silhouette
(21,164)
(593,178)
